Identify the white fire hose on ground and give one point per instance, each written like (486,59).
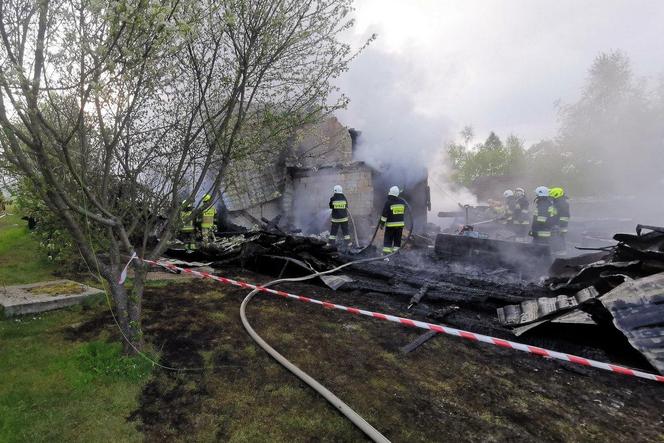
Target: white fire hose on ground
(342,407)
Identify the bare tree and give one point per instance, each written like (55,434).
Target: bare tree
(116,111)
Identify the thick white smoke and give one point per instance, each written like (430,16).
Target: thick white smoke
(397,136)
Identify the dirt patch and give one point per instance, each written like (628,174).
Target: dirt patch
(462,390)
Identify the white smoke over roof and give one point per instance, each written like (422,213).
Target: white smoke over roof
(501,66)
(498,65)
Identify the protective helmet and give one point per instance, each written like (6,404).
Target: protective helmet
(556,192)
(542,191)
(207,198)
(394,190)
(520,191)
(338,189)
(508,193)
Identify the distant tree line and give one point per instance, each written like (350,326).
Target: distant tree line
(609,142)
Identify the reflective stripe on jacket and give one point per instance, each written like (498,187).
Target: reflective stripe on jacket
(562,208)
(394,212)
(339,206)
(543,217)
(207,217)
(187,222)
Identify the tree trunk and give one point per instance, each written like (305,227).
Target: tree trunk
(134,305)
(128,311)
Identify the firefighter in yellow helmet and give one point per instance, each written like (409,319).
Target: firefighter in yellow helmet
(187,231)
(206,219)
(561,220)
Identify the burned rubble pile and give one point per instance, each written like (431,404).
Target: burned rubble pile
(416,280)
(616,287)
(619,287)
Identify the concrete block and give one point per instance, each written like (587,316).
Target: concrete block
(45,296)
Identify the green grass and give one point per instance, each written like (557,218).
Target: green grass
(20,259)
(57,390)
(51,388)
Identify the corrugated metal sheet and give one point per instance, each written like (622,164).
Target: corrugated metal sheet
(637,307)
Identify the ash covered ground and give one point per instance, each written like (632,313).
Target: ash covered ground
(447,387)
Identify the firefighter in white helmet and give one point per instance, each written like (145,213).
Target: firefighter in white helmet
(393,219)
(543,216)
(339,207)
(507,208)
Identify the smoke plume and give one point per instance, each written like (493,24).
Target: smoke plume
(397,136)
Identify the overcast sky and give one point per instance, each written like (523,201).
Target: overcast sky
(498,65)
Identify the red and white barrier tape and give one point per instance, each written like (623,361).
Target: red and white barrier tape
(430,326)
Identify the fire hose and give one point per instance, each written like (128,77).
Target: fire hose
(335,401)
(342,407)
(352,220)
(410,231)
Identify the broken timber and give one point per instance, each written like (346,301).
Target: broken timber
(419,341)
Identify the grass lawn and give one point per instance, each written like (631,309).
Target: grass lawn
(53,387)
(56,389)
(20,260)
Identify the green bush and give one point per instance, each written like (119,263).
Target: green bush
(54,239)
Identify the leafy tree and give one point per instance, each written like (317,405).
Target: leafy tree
(611,133)
(491,158)
(115,111)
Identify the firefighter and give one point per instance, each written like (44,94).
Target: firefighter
(561,221)
(543,216)
(521,212)
(206,219)
(187,234)
(339,207)
(392,220)
(508,208)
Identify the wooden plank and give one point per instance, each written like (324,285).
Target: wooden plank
(419,341)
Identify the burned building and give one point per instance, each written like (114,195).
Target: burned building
(296,183)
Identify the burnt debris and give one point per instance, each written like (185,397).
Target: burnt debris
(621,286)
(486,289)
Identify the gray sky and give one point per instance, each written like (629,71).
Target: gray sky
(496,64)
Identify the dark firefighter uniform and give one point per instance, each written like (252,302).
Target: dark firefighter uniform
(543,218)
(187,230)
(561,221)
(521,215)
(509,210)
(562,208)
(339,206)
(393,218)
